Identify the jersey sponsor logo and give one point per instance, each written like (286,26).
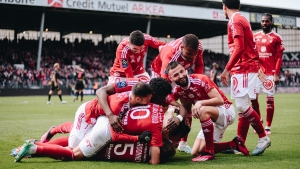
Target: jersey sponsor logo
(55,3)
(263,49)
(121,84)
(124,63)
(268,85)
(191,95)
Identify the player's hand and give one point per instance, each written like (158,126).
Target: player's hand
(225,77)
(115,123)
(276,79)
(173,123)
(145,137)
(196,110)
(262,77)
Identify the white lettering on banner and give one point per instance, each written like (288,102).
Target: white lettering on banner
(113,7)
(148,9)
(87,4)
(218,15)
(20,2)
(290,56)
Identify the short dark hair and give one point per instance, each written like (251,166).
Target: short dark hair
(172,65)
(141,89)
(137,38)
(167,150)
(191,41)
(232,4)
(160,87)
(268,15)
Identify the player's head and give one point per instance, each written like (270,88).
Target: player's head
(167,150)
(177,73)
(137,41)
(189,47)
(56,66)
(231,5)
(161,88)
(215,65)
(141,94)
(179,132)
(267,22)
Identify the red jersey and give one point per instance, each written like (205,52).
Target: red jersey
(248,62)
(172,52)
(134,152)
(198,88)
(270,48)
(128,64)
(141,118)
(118,102)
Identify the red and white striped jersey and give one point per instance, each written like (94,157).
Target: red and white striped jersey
(270,48)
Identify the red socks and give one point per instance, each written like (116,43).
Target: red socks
(270,110)
(219,147)
(62,128)
(56,152)
(254,120)
(62,141)
(243,127)
(208,131)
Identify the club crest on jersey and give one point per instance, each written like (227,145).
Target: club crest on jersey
(124,63)
(121,84)
(263,49)
(268,85)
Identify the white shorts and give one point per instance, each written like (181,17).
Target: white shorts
(143,77)
(242,84)
(97,138)
(267,87)
(80,127)
(226,118)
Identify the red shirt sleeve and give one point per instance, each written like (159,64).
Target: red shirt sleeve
(237,52)
(154,43)
(121,137)
(123,56)
(279,50)
(165,61)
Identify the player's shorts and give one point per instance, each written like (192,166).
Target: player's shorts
(53,88)
(143,77)
(80,127)
(97,138)
(267,87)
(226,118)
(242,84)
(79,85)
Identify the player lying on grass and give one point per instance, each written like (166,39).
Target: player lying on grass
(135,121)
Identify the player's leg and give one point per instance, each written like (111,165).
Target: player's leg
(81,95)
(208,115)
(255,105)
(269,89)
(95,140)
(62,128)
(49,95)
(59,92)
(199,144)
(80,127)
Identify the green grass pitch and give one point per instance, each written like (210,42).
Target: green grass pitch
(22,118)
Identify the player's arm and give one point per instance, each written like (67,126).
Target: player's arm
(125,62)
(279,51)
(199,65)
(165,59)
(54,78)
(155,155)
(153,42)
(175,121)
(145,137)
(215,99)
(236,55)
(102,94)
